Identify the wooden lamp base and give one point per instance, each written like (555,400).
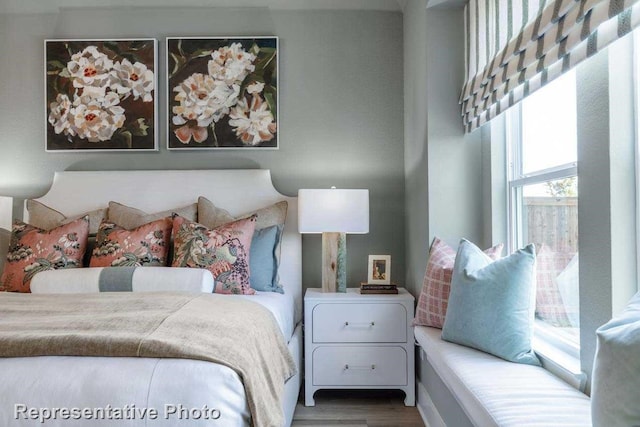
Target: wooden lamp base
(334,262)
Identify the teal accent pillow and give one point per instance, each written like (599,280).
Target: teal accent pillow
(492,303)
(263,264)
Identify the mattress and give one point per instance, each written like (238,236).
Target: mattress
(181,391)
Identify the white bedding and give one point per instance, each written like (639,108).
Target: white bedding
(148,383)
(59,382)
(281,306)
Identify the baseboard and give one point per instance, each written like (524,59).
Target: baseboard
(427,409)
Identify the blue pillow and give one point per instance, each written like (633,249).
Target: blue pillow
(492,303)
(263,265)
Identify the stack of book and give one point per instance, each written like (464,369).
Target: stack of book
(368,288)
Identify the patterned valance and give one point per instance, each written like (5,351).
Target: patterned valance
(514,47)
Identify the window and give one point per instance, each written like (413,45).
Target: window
(543,204)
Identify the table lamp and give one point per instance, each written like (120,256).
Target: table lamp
(334,213)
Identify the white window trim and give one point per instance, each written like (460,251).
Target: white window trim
(558,355)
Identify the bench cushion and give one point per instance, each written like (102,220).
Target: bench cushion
(494,392)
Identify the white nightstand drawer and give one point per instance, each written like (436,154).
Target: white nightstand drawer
(386,322)
(359,366)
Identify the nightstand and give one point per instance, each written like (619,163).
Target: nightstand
(358,341)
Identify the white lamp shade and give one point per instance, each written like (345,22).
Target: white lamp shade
(333,211)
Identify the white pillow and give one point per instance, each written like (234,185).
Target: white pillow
(122,279)
(567,282)
(615,388)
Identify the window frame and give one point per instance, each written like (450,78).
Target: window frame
(553,347)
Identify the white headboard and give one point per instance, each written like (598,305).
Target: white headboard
(238,191)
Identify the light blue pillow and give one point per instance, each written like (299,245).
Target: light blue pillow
(263,265)
(492,303)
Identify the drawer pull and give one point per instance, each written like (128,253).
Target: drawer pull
(362,324)
(364,367)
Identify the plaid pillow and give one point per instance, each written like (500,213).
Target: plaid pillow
(434,298)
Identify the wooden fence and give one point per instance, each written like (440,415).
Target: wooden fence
(552,221)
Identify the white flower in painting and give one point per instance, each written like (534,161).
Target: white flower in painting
(132,79)
(255,88)
(253,123)
(90,68)
(109,100)
(61,115)
(231,64)
(97,119)
(203,100)
(94,92)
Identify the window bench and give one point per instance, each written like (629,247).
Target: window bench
(494,392)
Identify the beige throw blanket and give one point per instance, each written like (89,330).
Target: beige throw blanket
(236,333)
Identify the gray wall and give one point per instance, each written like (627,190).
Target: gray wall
(415,142)
(341,108)
(443,166)
(455,158)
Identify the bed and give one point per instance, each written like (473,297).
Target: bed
(150,382)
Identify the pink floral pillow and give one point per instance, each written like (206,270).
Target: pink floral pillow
(434,298)
(33,250)
(146,245)
(223,250)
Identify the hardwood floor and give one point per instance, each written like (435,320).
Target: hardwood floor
(357,408)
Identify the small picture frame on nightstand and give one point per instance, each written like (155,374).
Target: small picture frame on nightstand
(379,270)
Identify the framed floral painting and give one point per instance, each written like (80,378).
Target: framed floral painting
(100,95)
(222,93)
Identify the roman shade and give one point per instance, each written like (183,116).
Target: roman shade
(514,47)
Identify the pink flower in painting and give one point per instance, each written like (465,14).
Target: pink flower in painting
(253,123)
(202,100)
